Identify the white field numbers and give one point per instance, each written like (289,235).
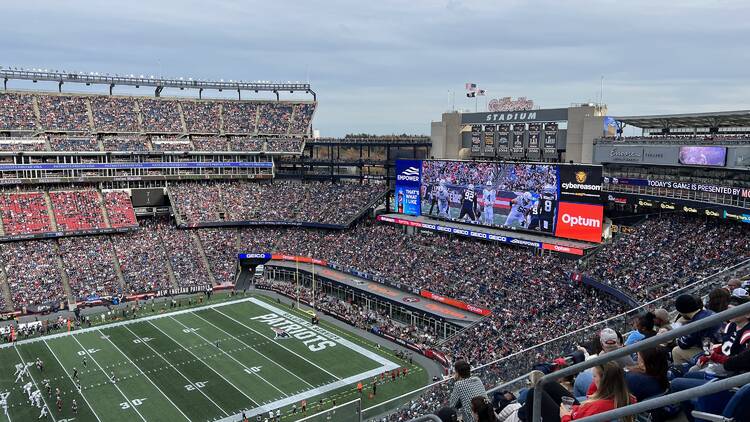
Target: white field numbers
(195,385)
(189,330)
(136,402)
(89,351)
(253,370)
(142,340)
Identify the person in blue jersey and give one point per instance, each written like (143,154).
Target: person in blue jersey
(488,196)
(468,204)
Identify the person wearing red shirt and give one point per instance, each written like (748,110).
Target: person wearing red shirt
(611,393)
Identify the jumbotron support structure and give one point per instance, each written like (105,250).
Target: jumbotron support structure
(157,83)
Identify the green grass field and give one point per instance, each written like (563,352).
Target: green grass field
(204,364)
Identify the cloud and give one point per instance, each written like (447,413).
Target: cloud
(388,66)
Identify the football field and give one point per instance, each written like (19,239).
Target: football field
(208,363)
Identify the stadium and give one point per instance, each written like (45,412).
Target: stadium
(200,253)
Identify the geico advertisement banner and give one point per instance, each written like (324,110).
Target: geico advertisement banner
(580,221)
(408,177)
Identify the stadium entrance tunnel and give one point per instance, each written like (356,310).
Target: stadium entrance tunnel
(251,269)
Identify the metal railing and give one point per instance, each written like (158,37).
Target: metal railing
(489,370)
(713,320)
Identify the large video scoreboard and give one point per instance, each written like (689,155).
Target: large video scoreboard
(557,199)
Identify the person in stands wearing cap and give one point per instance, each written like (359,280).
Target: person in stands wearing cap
(731,357)
(611,341)
(689,345)
(465,389)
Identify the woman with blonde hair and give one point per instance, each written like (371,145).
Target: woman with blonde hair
(611,393)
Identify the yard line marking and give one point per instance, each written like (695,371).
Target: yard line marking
(126,322)
(200,390)
(147,377)
(234,359)
(113,383)
(286,401)
(280,345)
(35,385)
(201,360)
(256,351)
(71,380)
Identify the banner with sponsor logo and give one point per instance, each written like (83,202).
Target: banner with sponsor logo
(550,138)
(580,221)
(455,303)
(581,183)
(735,192)
(408,176)
(483,235)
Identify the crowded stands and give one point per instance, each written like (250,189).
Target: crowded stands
(221,248)
(244,143)
(32,273)
(666,252)
(73,143)
(119,209)
(239,118)
(284,145)
(315,202)
(17,112)
(274,118)
(63,113)
(77,210)
(125,143)
(160,116)
(142,258)
(209,143)
(25,213)
(183,254)
(301,119)
(114,114)
(201,116)
(89,263)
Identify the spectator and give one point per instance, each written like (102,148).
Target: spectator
(649,377)
(611,341)
(689,345)
(718,300)
(644,328)
(662,321)
(465,389)
(481,410)
(611,393)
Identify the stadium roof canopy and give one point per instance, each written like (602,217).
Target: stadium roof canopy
(689,120)
(61,77)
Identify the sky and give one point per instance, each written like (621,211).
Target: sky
(386,67)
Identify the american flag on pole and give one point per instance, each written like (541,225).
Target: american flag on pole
(481,92)
(470,86)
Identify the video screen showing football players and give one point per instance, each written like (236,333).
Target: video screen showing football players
(522,196)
